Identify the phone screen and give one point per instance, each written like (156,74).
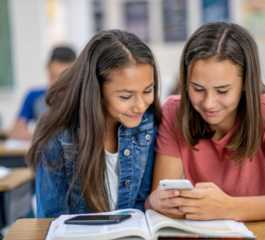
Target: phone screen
(97,219)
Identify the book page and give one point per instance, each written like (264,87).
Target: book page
(231,228)
(136,224)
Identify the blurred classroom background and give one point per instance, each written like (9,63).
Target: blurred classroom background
(30,29)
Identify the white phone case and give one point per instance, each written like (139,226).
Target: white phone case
(176,184)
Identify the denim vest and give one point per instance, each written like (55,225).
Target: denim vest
(56,192)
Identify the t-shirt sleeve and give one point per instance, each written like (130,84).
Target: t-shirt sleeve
(166,142)
(27,108)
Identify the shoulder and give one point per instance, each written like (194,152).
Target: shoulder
(33,94)
(58,147)
(172,101)
(171,107)
(37,92)
(60,139)
(65,138)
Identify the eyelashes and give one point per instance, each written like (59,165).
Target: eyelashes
(122,97)
(198,90)
(201,90)
(222,92)
(128,97)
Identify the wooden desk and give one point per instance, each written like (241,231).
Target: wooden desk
(36,229)
(13,152)
(12,158)
(15,196)
(17,177)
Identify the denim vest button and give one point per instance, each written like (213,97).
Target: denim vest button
(147,137)
(127,182)
(126,152)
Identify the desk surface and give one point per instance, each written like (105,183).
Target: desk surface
(36,229)
(15,178)
(13,152)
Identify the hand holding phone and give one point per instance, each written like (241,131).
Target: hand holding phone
(97,219)
(179,184)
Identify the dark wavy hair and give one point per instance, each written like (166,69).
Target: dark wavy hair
(224,41)
(75,103)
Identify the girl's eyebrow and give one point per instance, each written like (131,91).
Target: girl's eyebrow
(223,86)
(129,91)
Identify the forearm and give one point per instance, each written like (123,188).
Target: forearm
(248,208)
(20,131)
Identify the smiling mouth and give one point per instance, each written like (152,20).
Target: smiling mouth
(135,116)
(211,113)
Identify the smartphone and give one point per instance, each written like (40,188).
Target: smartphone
(179,184)
(97,219)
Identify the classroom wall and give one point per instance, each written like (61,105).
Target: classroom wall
(31,42)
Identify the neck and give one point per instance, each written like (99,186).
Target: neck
(222,129)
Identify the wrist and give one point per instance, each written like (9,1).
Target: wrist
(148,204)
(231,213)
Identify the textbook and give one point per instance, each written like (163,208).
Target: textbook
(148,226)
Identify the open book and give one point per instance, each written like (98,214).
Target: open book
(148,226)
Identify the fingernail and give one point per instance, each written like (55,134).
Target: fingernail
(176,193)
(167,199)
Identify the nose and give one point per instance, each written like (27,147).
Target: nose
(209,101)
(139,105)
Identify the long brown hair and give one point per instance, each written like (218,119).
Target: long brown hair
(75,103)
(224,41)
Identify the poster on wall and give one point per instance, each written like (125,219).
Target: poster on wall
(56,17)
(174,20)
(254,16)
(215,10)
(136,19)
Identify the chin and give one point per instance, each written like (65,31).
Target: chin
(132,124)
(212,121)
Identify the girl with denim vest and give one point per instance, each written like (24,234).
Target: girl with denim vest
(213,134)
(93,149)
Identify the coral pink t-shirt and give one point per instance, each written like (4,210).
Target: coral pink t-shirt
(210,164)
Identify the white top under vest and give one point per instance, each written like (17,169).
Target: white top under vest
(113,169)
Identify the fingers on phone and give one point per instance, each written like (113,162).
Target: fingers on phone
(195,193)
(169,194)
(175,213)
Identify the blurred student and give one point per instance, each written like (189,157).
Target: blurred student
(34,104)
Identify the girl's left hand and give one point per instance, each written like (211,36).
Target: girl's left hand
(205,202)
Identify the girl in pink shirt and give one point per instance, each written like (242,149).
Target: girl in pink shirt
(214,134)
